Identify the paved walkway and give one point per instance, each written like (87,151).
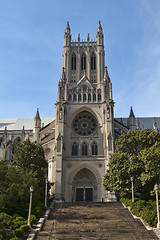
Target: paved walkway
(98,221)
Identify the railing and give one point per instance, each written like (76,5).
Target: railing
(76,44)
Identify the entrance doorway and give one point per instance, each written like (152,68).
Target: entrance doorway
(84,186)
(84,194)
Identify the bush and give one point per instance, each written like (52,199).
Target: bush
(39,212)
(19,232)
(5,219)
(17,222)
(9,236)
(137,207)
(145,209)
(14,238)
(33,219)
(25,227)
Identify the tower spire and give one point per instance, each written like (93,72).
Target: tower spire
(37,126)
(99,36)
(131,122)
(67,30)
(99,28)
(106,75)
(67,35)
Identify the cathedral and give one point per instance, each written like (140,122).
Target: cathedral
(79,141)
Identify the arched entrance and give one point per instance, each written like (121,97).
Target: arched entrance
(84,186)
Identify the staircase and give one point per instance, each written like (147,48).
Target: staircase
(98,221)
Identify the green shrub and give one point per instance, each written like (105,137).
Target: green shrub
(17,222)
(19,219)
(33,219)
(145,209)
(39,212)
(14,238)
(5,219)
(137,207)
(16,216)
(127,202)
(19,232)
(9,236)
(25,227)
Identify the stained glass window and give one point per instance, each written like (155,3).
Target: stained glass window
(84,124)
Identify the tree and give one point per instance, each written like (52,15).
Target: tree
(28,168)
(30,157)
(137,155)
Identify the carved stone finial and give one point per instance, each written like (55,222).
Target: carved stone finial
(155,125)
(138,124)
(88,38)
(78,37)
(67,30)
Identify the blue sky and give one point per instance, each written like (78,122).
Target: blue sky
(31,44)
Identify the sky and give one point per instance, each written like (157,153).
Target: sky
(31,45)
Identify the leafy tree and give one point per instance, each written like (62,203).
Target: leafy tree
(29,155)
(28,168)
(137,155)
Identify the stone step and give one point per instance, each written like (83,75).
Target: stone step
(93,221)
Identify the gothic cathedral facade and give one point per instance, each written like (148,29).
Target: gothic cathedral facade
(84,131)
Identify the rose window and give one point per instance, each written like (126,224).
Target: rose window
(84,124)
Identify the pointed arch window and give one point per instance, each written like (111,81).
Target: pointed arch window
(84,97)
(70,97)
(83,62)
(74,149)
(99,97)
(73,62)
(74,98)
(79,97)
(94,149)
(93,62)
(94,97)
(84,149)
(89,97)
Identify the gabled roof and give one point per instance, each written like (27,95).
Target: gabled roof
(84,81)
(145,122)
(18,123)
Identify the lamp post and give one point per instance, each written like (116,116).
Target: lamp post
(132,189)
(30,206)
(156,189)
(46,190)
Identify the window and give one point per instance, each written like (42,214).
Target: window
(84,124)
(94,149)
(83,62)
(84,97)
(93,62)
(79,97)
(99,97)
(74,98)
(89,97)
(70,97)
(94,97)
(73,63)
(84,149)
(74,149)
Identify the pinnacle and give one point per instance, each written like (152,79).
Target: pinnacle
(131,113)
(67,30)
(37,113)
(99,28)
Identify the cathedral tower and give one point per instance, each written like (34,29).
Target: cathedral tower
(84,120)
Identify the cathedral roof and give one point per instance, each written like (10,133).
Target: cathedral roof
(18,123)
(145,122)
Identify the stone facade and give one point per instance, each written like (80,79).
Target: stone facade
(78,143)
